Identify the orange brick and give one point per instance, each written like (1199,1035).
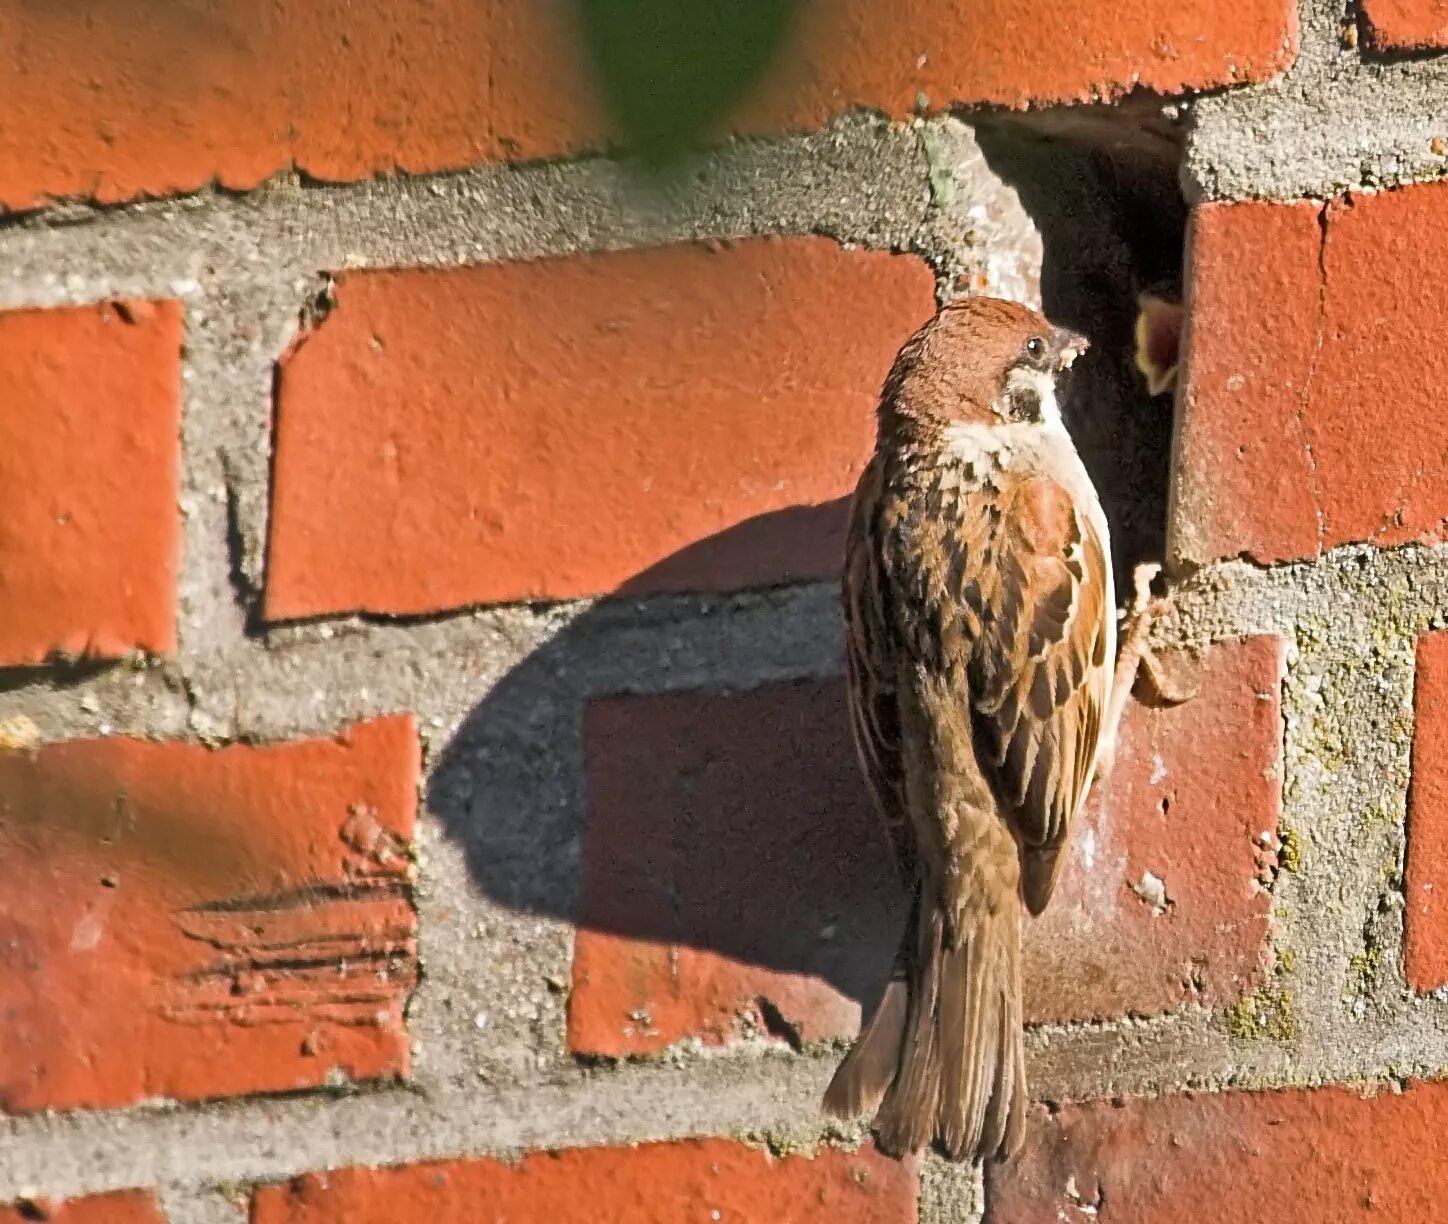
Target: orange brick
(1331,1154)
(185,923)
(1425,959)
(731,856)
(1311,412)
(1406,25)
(634,421)
(1014,53)
(656,1183)
(1193,792)
(111,103)
(123,1207)
(90,418)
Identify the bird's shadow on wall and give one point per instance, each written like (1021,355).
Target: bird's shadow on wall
(615,779)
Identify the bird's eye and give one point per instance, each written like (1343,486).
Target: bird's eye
(1035,347)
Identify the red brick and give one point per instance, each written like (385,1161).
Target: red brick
(89,477)
(1425,935)
(183,923)
(437,445)
(1016,53)
(1311,409)
(731,855)
(108,103)
(123,1207)
(1331,1154)
(1193,790)
(111,103)
(1406,25)
(656,1183)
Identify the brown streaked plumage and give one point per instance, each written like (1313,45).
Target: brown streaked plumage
(981,634)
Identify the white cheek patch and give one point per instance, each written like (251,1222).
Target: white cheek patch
(975,443)
(1040,385)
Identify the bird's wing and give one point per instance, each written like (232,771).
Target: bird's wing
(1007,604)
(873,701)
(1039,672)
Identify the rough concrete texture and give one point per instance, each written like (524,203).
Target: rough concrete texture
(184,1204)
(1343,116)
(505,817)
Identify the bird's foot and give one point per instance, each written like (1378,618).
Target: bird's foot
(1135,658)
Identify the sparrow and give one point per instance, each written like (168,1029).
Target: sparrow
(1159,318)
(981,636)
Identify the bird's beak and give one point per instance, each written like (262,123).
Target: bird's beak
(1068,346)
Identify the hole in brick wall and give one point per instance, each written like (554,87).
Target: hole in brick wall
(1102,186)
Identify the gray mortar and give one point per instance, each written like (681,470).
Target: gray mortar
(1339,119)
(1350,618)
(950,1193)
(186,1204)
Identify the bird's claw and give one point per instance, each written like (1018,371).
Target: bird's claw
(1135,659)
(1165,689)
(1141,598)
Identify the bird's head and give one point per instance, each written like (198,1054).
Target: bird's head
(984,361)
(1158,338)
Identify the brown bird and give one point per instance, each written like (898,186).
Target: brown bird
(981,635)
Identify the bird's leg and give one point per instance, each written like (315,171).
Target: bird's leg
(1133,656)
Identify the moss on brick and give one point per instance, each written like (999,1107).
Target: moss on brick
(1268,1015)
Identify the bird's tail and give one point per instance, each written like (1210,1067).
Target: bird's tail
(942,1058)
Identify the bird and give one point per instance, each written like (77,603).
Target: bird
(1159,320)
(980,643)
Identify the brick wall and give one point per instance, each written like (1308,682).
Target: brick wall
(424,786)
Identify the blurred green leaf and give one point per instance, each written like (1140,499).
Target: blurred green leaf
(670,70)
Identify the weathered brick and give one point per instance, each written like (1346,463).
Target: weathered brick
(123,1207)
(656,1183)
(1406,25)
(1311,412)
(1425,935)
(112,103)
(1333,1154)
(1194,800)
(90,408)
(183,922)
(109,104)
(736,880)
(1016,53)
(731,855)
(440,445)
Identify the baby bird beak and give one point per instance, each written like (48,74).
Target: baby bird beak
(1068,346)
(1158,341)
